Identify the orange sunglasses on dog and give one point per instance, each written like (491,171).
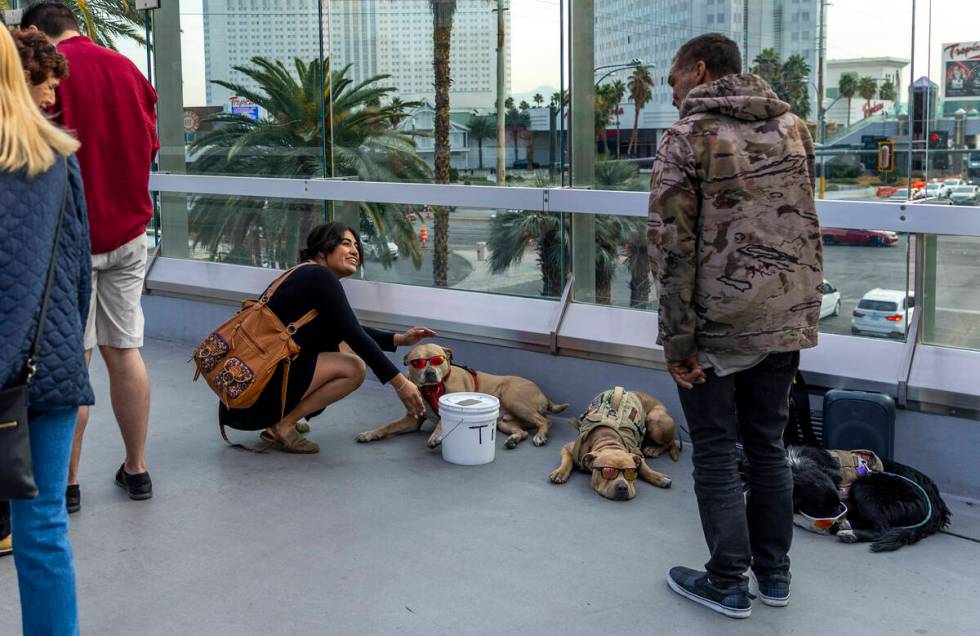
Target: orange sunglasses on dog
(419,363)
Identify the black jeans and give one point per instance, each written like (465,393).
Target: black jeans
(755,404)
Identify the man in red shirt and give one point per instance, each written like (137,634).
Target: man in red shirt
(110,106)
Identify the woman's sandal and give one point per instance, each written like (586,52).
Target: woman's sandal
(291,443)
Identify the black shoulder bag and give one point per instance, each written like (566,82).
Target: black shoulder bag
(16,468)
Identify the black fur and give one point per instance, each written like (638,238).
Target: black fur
(816,481)
(881,505)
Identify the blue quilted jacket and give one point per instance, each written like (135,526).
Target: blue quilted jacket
(28,218)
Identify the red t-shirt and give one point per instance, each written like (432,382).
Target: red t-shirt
(110,107)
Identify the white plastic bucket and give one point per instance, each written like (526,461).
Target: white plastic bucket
(469,427)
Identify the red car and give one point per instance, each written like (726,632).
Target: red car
(841,236)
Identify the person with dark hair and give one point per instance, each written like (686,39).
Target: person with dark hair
(43,66)
(111,108)
(736,253)
(335,349)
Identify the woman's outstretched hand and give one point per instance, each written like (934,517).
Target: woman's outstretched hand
(409,394)
(413,336)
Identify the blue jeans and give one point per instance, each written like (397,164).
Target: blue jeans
(42,551)
(754,404)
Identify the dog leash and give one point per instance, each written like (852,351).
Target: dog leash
(925,496)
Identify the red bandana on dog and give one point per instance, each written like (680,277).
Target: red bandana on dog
(432,392)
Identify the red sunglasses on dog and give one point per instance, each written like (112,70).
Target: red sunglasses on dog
(609,473)
(419,363)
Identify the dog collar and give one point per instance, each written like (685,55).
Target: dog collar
(432,392)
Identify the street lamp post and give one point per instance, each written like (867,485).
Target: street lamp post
(615,68)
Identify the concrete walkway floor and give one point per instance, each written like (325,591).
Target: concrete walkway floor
(387,538)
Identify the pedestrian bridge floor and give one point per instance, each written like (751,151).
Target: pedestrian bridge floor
(387,538)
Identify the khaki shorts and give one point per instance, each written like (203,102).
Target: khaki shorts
(115,317)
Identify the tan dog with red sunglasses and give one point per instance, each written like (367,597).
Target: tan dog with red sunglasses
(616,432)
(522,403)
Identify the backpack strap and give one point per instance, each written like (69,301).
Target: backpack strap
(251,449)
(303,320)
(279,281)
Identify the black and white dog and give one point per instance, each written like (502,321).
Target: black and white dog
(896,507)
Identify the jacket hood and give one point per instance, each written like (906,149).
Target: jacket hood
(747,97)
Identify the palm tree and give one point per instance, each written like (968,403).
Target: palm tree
(105,21)
(867,88)
(510,232)
(443,12)
(624,175)
(887,91)
(604,99)
(640,86)
(482,127)
(517,123)
(538,99)
(289,142)
(617,91)
(768,66)
(847,87)
(793,81)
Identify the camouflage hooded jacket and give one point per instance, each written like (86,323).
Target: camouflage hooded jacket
(734,237)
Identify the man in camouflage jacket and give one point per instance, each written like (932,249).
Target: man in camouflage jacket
(735,249)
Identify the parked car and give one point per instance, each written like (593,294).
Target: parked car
(938,190)
(842,236)
(830,306)
(520,164)
(964,195)
(883,312)
(902,195)
(953,182)
(885,191)
(373,249)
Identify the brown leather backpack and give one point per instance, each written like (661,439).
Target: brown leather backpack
(241,355)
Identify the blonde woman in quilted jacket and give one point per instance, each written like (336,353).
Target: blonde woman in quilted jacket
(38,172)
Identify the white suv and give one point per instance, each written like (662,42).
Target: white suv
(883,312)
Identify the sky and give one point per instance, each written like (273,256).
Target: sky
(855,28)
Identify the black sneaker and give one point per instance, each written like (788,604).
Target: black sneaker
(138,486)
(73,498)
(773,592)
(733,602)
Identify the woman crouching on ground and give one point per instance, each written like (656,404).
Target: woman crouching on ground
(334,348)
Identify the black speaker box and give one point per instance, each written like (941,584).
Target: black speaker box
(858,419)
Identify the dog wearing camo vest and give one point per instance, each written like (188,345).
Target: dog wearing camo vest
(615,435)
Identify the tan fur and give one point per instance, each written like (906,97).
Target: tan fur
(603,447)
(522,403)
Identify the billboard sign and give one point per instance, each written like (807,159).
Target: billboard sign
(252,112)
(961,70)
(243,106)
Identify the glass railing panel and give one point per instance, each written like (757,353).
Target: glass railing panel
(952,292)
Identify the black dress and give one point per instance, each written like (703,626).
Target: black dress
(312,287)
